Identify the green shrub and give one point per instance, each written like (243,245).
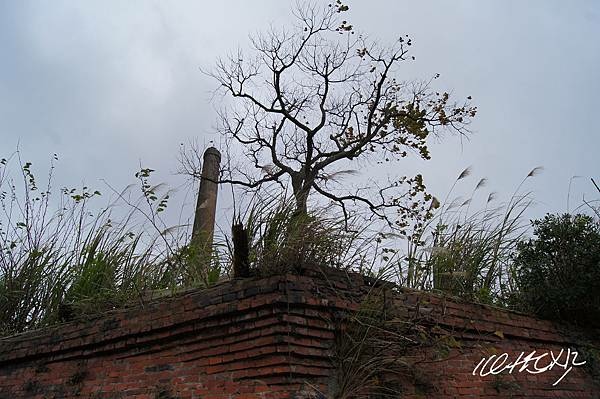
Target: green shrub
(558,271)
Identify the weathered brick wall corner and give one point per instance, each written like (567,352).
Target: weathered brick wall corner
(272,338)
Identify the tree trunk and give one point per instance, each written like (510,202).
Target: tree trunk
(241,250)
(301,190)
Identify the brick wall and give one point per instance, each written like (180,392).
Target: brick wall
(468,332)
(274,338)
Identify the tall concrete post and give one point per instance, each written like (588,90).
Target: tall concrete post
(204,218)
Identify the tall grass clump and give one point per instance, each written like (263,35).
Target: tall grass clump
(281,240)
(466,253)
(62,257)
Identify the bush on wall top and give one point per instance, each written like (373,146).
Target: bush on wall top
(558,271)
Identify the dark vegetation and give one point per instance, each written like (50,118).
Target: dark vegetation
(69,262)
(332,103)
(558,271)
(62,256)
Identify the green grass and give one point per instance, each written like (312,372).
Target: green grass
(466,253)
(281,240)
(63,256)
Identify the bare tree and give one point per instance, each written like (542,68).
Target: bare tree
(310,103)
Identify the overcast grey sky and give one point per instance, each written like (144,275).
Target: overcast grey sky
(109,84)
